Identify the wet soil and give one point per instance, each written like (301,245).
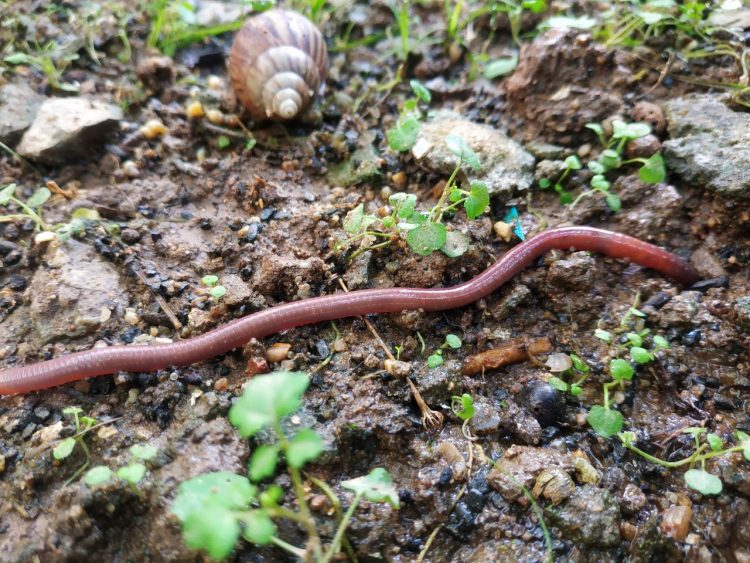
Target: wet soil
(266,221)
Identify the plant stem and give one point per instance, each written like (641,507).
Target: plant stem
(334,548)
(294,550)
(436,212)
(307,520)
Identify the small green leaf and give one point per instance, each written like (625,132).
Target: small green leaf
(453,341)
(620,370)
(463,406)
(271,496)
(613,201)
(605,422)
(86,213)
(610,159)
(627,438)
(703,482)
(266,399)
(263,462)
(145,452)
(744,440)
(478,200)
(221,488)
(500,67)
(714,441)
(421,91)
(634,339)
(72,411)
(694,431)
(598,129)
(640,355)
(250,144)
(426,238)
(403,137)
(599,182)
(97,475)
(544,183)
(376,486)
(573,162)
(7,193)
(458,146)
(579,364)
(39,197)
(18,59)
(660,342)
(596,167)
(259,528)
(353,219)
(604,335)
(622,130)
(558,384)
(213,529)
(575,390)
(435,360)
(217,292)
(132,473)
(653,170)
(64,448)
(209,280)
(404,204)
(535,6)
(306,446)
(222,141)
(456,244)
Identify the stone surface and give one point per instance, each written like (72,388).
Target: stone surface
(18,106)
(505,166)
(591,516)
(65,128)
(709,145)
(74,292)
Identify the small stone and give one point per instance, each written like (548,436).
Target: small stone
(675,522)
(66,128)
(643,147)
(221,384)
(399,180)
(255,366)
(397,368)
(340,345)
(130,236)
(278,352)
(153,128)
(2,463)
(195,110)
(215,116)
(633,499)
(19,104)
(503,230)
(650,113)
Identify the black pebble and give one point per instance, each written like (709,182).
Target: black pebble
(543,401)
(692,337)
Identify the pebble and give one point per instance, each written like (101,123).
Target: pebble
(675,522)
(278,352)
(397,368)
(221,384)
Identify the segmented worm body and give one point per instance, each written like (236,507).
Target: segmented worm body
(101,361)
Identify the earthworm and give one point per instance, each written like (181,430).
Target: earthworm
(101,361)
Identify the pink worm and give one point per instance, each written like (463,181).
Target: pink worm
(101,361)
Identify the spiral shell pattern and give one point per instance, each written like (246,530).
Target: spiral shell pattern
(278,64)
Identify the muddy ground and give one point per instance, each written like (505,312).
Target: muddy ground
(266,219)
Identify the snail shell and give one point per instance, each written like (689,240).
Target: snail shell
(278,64)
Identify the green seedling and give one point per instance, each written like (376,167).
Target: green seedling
(707,446)
(215,291)
(215,509)
(651,171)
(424,232)
(51,60)
(403,137)
(400,10)
(132,473)
(436,358)
(578,371)
(463,407)
(65,448)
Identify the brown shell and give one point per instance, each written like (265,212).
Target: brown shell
(274,51)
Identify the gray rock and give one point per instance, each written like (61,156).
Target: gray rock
(520,465)
(505,166)
(73,293)
(18,106)
(66,127)
(591,516)
(709,145)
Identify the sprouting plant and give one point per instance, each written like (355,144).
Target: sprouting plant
(463,407)
(651,169)
(215,291)
(174,24)
(707,446)
(400,9)
(436,358)
(30,209)
(577,370)
(51,60)
(64,448)
(132,473)
(216,508)
(403,137)
(514,10)
(424,231)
